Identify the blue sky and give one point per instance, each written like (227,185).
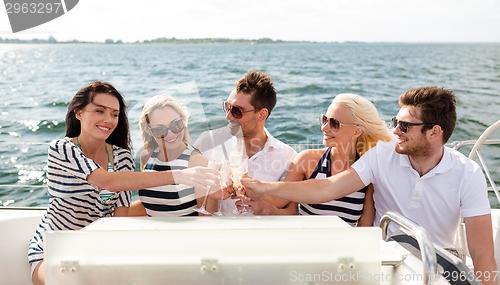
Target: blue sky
(313,20)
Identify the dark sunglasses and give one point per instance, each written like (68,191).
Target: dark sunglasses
(236,111)
(403,126)
(333,123)
(161,131)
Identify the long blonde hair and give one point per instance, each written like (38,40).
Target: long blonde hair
(159,102)
(365,116)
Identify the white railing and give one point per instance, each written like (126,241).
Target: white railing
(427,251)
(475,152)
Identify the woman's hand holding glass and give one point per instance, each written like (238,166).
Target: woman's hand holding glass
(199,177)
(226,184)
(255,188)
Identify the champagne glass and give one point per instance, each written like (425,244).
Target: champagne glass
(212,165)
(224,176)
(238,165)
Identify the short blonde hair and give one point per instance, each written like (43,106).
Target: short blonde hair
(365,115)
(159,102)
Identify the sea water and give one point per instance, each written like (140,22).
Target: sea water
(38,81)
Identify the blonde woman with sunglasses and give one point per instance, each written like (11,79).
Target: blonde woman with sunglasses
(165,138)
(350,127)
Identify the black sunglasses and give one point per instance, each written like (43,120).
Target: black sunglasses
(236,111)
(403,126)
(333,123)
(161,131)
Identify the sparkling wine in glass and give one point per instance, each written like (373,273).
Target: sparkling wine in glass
(224,177)
(212,165)
(238,165)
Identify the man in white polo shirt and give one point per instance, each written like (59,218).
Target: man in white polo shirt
(247,109)
(417,176)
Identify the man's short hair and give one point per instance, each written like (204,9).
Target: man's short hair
(437,106)
(260,87)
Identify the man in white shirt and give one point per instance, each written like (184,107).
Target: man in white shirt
(247,109)
(417,176)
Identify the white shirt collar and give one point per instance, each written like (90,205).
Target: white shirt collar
(444,164)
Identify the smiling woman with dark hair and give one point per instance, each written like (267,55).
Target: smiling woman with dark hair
(90,170)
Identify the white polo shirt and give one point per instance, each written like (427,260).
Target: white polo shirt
(434,200)
(269,164)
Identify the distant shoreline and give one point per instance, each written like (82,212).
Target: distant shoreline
(52,40)
(175,41)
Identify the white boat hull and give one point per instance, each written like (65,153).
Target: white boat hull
(394,264)
(17,227)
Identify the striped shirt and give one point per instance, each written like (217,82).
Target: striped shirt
(73,201)
(172,200)
(348,208)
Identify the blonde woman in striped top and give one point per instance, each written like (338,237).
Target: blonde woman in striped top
(351,126)
(165,137)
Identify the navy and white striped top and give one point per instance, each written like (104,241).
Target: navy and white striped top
(348,208)
(73,201)
(172,200)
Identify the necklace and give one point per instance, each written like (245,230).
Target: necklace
(110,166)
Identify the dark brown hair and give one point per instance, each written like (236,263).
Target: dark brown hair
(260,86)
(121,135)
(437,107)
